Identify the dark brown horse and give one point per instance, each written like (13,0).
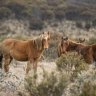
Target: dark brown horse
(29,50)
(66,45)
(88,52)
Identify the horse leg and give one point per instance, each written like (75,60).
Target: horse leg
(7,62)
(35,69)
(31,65)
(35,66)
(28,67)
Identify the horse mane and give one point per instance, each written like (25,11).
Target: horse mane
(38,43)
(73,41)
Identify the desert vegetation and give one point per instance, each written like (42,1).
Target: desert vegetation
(37,12)
(68,75)
(72,77)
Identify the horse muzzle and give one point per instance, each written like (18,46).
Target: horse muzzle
(46,49)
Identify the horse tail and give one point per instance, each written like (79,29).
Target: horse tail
(1,55)
(1,59)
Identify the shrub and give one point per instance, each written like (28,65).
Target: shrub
(36,24)
(92,41)
(59,14)
(17,9)
(51,85)
(47,14)
(88,89)
(2,38)
(94,23)
(5,12)
(87,26)
(79,24)
(71,60)
(72,14)
(71,63)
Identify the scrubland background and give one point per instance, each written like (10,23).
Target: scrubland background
(64,76)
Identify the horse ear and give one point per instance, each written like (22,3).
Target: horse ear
(48,33)
(81,40)
(43,32)
(64,38)
(34,42)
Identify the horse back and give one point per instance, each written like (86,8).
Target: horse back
(15,45)
(94,47)
(94,51)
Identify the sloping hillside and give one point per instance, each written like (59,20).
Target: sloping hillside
(38,12)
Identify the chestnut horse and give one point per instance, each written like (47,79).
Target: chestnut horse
(29,50)
(66,45)
(88,52)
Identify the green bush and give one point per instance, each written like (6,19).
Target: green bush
(92,41)
(59,14)
(51,85)
(71,60)
(71,63)
(94,23)
(47,14)
(5,12)
(87,26)
(88,89)
(16,9)
(79,24)
(36,24)
(2,37)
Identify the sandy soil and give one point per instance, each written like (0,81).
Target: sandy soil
(14,80)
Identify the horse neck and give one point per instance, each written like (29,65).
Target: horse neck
(83,45)
(93,46)
(73,45)
(40,48)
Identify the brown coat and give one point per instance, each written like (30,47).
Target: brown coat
(29,50)
(89,53)
(67,45)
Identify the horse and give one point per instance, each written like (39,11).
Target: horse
(24,50)
(67,44)
(88,52)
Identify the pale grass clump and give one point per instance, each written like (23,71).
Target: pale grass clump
(52,84)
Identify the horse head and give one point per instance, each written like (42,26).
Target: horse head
(45,40)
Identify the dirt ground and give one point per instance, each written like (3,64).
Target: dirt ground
(11,83)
